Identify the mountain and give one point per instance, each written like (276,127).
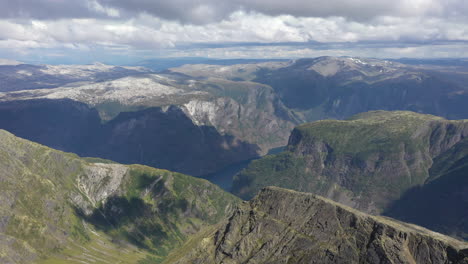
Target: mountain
(166,138)
(367,162)
(19,76)
(440,203)
(162,64)
(283,226)
(339,87)
(147,113)
(235,112)
(59,208)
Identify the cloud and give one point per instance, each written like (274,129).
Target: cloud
(209,11)
(146,32)
(44,9)
(229,27)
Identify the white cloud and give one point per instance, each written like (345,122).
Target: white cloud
(217,23)
(146,31)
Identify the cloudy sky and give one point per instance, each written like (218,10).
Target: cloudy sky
(122,31)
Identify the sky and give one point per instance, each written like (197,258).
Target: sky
(126,31)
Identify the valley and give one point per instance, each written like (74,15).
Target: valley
(360,144)
(233,132)
(237,112)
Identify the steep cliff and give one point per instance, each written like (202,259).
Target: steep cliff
(441,203)
(366,162)
(283,226)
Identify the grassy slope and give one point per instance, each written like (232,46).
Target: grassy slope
(143,218)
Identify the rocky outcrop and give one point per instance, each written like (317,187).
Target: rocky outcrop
(283,226)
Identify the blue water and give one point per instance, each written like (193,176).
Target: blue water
(223,178)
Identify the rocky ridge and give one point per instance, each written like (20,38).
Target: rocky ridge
(283,226)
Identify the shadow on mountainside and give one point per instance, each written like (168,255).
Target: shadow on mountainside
(440,205)
(165,139)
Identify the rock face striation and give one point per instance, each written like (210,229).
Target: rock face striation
(283,226)
(57,207)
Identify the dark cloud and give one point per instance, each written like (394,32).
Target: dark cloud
(207,11)
(45,9)
(185,11)
(204,11)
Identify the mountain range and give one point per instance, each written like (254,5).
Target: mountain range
(59,208)
(239,112)
(377,162)
(339,159)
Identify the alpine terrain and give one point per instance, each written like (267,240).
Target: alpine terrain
(378,162)
(283,226)
(229,112)
(59,208)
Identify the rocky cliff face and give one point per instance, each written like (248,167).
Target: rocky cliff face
(58,207)
(366,162)
(282,226)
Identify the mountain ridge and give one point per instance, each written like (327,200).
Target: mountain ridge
(284,226)
(59,207)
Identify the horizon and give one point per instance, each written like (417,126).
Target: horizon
(208,60)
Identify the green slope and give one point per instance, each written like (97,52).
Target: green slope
(367,161)
(58,208)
